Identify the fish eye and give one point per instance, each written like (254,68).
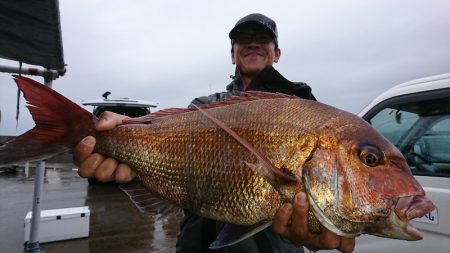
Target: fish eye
(370,155)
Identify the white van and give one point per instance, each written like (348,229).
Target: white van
(415,116)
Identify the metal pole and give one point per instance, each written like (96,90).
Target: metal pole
(27,169)
(33,243)
(32,71)
(48,79)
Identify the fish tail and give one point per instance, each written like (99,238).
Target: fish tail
(60,125)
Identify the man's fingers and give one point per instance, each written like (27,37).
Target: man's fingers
(281,220)
(89,165)
(83,149)
(105,171)
(109,120)
(330,240)
(300,215)
(291,221)
(124,173)
(347,245)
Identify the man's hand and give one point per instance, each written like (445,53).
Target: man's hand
(291,222)
(104,169)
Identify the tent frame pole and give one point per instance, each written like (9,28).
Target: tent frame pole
(32,246)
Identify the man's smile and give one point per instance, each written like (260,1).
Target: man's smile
(253,54)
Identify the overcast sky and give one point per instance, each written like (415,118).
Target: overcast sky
(173,51)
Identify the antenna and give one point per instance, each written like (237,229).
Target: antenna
(106,94)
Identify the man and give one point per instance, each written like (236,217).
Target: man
(254,41)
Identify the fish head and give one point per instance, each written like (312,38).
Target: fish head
(358,182)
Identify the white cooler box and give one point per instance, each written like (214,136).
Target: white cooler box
(61,224)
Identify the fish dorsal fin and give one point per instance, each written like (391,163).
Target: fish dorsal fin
(262,159)
(148,202)
(245,97)
(231,234)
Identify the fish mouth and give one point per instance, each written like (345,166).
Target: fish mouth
(408,208)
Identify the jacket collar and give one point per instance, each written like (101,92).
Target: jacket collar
(269,75)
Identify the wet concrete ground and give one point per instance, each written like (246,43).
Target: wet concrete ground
(115,223)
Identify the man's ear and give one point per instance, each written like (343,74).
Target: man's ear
(277,54)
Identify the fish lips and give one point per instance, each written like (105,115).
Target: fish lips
(410,207)
(403,210)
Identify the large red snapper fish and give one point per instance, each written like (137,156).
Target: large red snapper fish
(239,160)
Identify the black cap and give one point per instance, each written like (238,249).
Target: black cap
(255,19)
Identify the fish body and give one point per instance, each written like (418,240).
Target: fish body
(196,164)
(238,161)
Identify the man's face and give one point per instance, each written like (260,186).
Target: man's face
(253,50)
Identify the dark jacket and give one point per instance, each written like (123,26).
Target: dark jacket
(197,233)
(269,80)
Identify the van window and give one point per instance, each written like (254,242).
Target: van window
(124,110)
(421,131)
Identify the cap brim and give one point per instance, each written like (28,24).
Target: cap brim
(237,29)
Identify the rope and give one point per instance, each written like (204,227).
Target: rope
(18,98)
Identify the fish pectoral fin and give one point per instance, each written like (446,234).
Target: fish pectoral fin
(266,163)
(232,234)
(267,173)
(262,171)
(147,201)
